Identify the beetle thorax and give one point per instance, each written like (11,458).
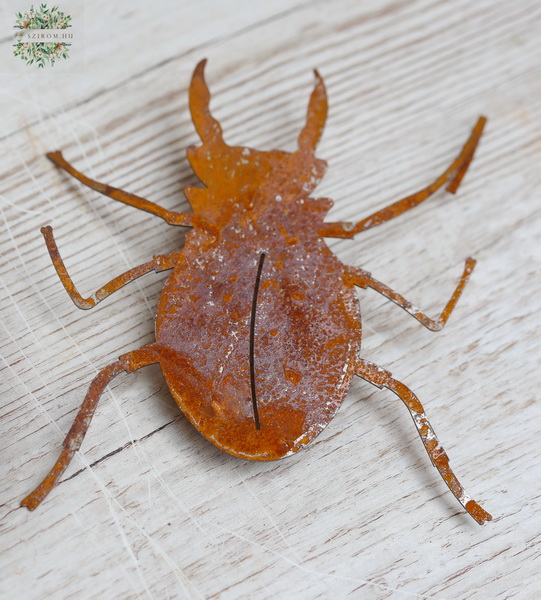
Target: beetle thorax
(244,179)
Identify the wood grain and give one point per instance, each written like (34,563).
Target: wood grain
(149,508)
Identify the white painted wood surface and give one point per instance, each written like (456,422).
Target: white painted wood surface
(150,509)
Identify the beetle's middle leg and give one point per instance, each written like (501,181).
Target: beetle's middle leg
(158,263)
(363,279)
(129,362)
(382,378)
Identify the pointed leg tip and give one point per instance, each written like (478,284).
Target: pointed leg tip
(470,263)
(30,502)
(55,157)
(478,513)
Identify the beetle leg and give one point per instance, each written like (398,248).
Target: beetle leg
(364,279)
(455,173)
(129,362)
(158,263)
(382,378)
(173,218)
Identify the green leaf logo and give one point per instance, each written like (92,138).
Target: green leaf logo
(39,52)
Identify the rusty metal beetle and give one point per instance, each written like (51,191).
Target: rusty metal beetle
(258,326)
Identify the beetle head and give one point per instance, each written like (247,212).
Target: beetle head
(245,176)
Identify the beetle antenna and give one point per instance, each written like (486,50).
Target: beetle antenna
(208,128)
(316,117)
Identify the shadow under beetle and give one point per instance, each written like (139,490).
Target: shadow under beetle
(258,326)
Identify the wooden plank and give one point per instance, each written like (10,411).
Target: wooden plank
(121,43)
(361,513)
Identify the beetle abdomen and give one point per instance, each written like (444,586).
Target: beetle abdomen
(304,342)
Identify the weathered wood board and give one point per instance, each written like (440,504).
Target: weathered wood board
(149,508)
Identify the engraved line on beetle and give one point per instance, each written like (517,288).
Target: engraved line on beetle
(252,340)
(309,322)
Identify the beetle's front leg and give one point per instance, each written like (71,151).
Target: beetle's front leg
(363,279)
(158,263)
(171,217)
(453,174)
(382,378)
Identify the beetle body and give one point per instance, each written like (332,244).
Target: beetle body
(306,322)
(258,327)
(307,330)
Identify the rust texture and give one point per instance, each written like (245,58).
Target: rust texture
(258,327)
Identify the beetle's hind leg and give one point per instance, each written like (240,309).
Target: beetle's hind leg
(129,362)
(382,378)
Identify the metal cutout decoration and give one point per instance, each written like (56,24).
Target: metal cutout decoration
(258,327)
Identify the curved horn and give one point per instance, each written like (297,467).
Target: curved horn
(207,126)
(316,117)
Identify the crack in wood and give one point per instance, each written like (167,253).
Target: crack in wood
(117,450)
